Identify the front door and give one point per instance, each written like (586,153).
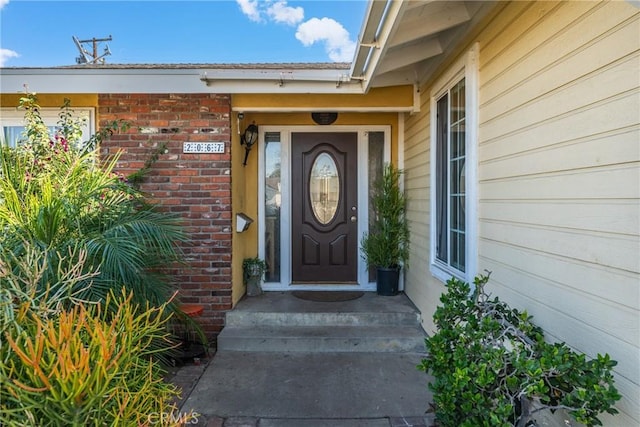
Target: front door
(324,207)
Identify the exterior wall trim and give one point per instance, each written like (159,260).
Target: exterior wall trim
(467,66)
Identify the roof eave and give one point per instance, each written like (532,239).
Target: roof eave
(378,28)
(183,80)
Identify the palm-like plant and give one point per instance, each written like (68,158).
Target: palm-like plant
(58,196)
(386,244)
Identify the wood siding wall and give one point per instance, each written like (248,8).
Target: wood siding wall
(559,180)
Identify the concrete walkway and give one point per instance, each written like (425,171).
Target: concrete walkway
(311,389)
(307,389)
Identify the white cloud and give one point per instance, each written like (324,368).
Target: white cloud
(335,37)
(5,55)
(281,13)
(276,11)
(249,8)
(327,31)
(3,3)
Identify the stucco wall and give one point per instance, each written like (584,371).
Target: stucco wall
(558,177)
(245,178)
(276,109)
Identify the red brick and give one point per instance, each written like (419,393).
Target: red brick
(198,187)
(140,109)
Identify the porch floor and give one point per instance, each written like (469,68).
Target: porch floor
(307,388)
(286,302)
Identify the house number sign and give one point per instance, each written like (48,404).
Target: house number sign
(203,147)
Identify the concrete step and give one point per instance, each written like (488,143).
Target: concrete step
(384,339)
(238,318)
(280,322)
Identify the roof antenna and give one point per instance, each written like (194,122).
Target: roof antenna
(93,57)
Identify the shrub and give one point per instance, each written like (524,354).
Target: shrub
(492,367)
(386,245)
(72,235)
(22,292)
(56,194)
(80,369)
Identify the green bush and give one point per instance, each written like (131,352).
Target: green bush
(72,235)
(492,366)
(386,245)
(22,292)
(64,361)
(57,194)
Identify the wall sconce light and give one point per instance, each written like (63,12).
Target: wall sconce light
(243,222)
(248,138)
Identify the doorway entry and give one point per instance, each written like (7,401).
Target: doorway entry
(324,207)
(313,205)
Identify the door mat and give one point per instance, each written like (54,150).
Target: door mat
(327,296)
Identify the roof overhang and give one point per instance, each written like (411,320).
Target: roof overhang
(285,81)
(403,42)
(138,79)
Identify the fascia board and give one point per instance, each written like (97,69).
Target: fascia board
(285,75)
(388,28)
(174,80)
(367,37)
(103,83)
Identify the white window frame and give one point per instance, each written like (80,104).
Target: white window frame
(50,116)
(465,67)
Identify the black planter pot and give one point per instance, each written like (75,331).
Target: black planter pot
(387,281)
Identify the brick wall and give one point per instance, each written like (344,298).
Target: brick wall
(197,186)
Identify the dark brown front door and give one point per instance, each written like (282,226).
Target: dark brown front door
(324,207)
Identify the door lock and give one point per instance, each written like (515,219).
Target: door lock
(353,218)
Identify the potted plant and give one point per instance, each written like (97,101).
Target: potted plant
(253,270)
(386,245)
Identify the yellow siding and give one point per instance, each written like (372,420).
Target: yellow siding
(417,186)
(559,180)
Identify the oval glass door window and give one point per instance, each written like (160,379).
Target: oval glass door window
(324,188)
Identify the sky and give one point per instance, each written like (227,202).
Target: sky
(39,33)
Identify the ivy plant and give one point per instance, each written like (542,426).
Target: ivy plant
(491,366)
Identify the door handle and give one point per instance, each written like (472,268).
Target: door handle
(353,218)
